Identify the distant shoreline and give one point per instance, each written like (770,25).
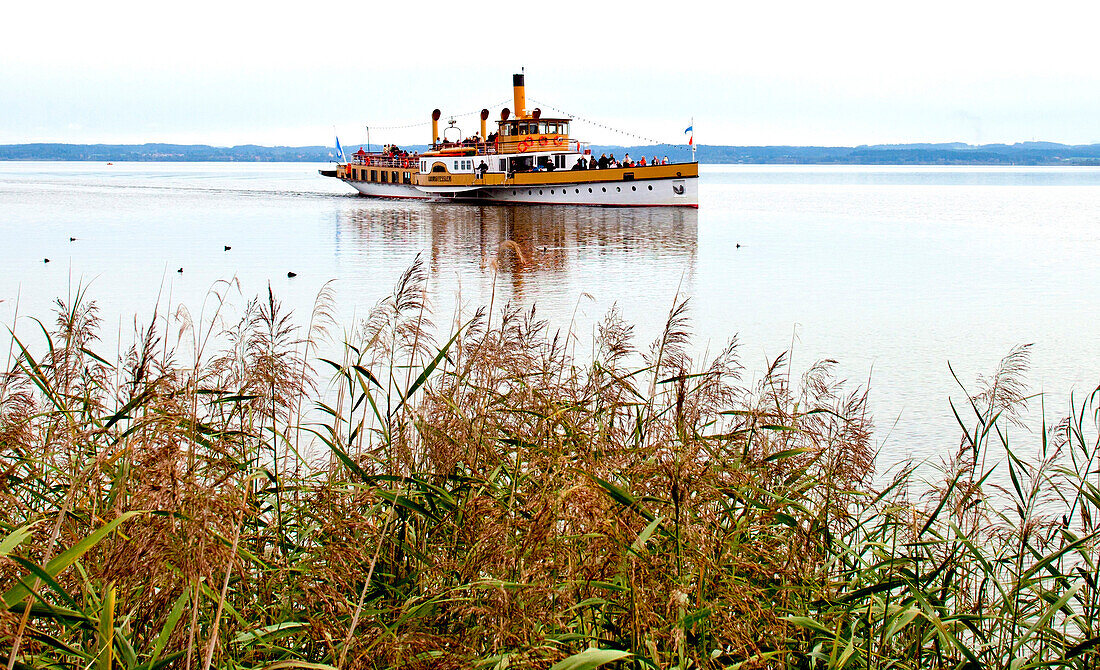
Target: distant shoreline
(1023,153)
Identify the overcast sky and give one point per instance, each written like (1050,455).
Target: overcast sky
(835,73)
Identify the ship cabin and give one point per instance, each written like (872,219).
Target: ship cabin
(385,167)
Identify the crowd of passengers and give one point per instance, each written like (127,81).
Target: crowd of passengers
(471,141)
(604,162)
(394,151)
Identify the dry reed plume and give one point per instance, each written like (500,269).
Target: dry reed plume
(222,495)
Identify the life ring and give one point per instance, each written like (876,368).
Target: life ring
(559,140)
(524,146)
(405,163)
(543,141)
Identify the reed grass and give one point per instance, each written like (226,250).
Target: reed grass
(223,495)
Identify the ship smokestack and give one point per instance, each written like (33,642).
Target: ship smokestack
(484,116)
(519,97)
(435,125)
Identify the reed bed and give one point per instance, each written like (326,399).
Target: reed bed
(222,494)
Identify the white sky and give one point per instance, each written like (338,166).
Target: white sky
(780,72)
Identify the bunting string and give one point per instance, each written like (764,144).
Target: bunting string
(604,126)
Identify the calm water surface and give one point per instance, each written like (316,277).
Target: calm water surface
(893,272)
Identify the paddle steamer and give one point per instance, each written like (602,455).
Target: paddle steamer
(529,159)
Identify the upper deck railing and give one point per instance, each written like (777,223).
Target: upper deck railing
(384,160)
(478,147)
(513,144)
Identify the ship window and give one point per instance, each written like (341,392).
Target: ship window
(576,190)
(551,191)
(408,178)
(618,189)
(374,175)
(439,167)
(651,188)
(384,179)
(540,191)
(633,188)
(502,165)
(589,190)
(393,177)
(604,189)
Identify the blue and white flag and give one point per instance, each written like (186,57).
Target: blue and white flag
(340,150)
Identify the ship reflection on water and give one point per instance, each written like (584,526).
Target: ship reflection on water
(556,257)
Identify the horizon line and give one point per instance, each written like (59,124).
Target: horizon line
(668,144)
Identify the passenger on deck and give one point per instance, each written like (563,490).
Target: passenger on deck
(627,162)
(603,162)
(482,169)
(654,161)
(592,163)
(581,164)
(641,162)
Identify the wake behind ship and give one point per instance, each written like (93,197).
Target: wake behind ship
(529,159)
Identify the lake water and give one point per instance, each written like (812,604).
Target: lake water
(891,271)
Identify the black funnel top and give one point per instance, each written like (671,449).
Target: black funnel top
(517,80)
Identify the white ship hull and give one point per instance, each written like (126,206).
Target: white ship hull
(377,190)
(679,192)
(674,192)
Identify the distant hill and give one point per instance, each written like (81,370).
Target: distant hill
(161,152)
(950,153)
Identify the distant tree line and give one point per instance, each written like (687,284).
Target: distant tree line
(1024,153)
